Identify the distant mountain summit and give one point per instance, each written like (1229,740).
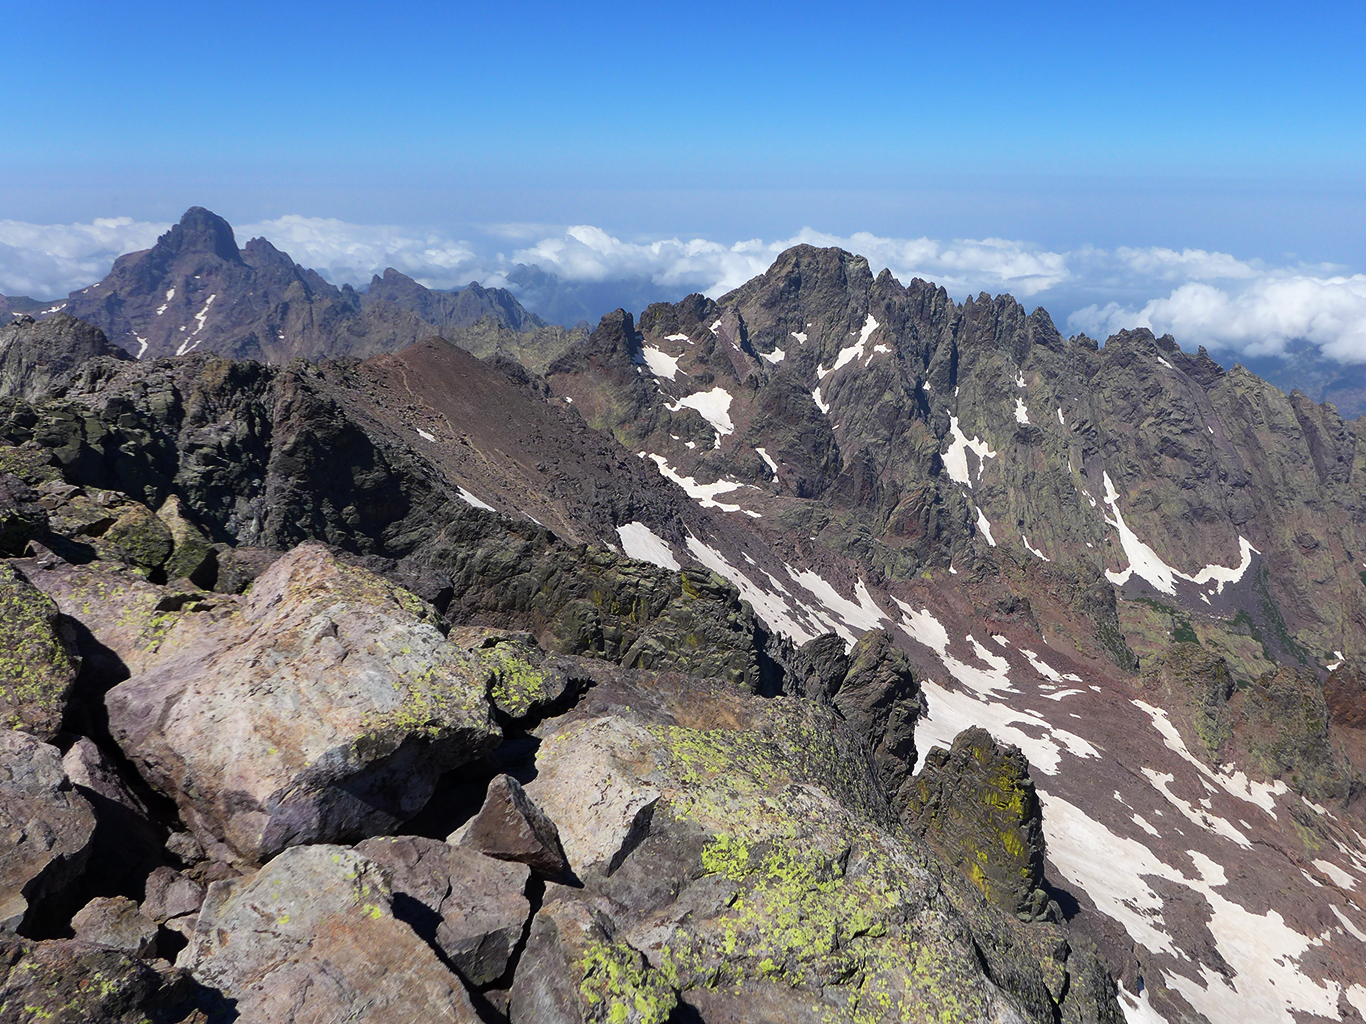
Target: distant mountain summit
(197,291)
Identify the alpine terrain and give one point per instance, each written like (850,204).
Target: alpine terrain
(829,651)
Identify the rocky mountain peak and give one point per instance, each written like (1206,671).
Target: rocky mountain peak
(201,231)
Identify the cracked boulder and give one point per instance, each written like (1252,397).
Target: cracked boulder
(313,936)
(45,829)
(471,907)
(321,707)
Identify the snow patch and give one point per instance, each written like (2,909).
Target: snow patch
(660,363)
(713,405)
(424,435)
(1062,421)
(852,352)
(956,458)
(1021,412)
(1019,378)
(768,606)
(1340,878)
(703,494)
(1235,784)
(800,336)
(185,345)
(1165,363)
(170,294)
(776,356)
(1148,564)
(142,345)
(821,405)
(677,337)
(470,499)
(639,541)
(863,613)
(763,454)
(1033,550)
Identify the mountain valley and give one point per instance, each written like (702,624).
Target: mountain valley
(827,651)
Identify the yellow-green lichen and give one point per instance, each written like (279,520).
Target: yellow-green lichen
(619,988)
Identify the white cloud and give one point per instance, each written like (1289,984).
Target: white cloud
(1256,317)
(49,260)
(350,253)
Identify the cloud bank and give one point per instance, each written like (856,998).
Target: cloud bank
(1234,306)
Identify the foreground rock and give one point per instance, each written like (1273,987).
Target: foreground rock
(66,982)
(976,803)
(323,706)
(471,907)
(740,856)
(510,826)
(116,922)
(45,829)
(312,937)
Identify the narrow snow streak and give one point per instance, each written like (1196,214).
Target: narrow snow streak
(1021,412)
(470,499)
(985,527)
(424,435)
(852,352)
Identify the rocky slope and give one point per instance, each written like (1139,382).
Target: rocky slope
(687,672)
(195,290)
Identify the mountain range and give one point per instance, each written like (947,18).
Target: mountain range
(830,650)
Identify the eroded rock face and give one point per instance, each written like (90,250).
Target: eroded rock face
(312,937)
(38,662)
(46,828)
(322,706)
(880,699)
(976,803)
(35,353)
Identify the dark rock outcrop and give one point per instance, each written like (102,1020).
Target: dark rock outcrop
(509,826)
(976,804)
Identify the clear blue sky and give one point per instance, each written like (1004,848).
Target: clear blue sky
(1236,126)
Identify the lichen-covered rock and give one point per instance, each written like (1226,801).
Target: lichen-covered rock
(192,555)
(116,922)
(510,826)
(475,907)
(138,538)
(574,972)
(770,881)
(38,661)
(72,982)
(976,803)
(45,828)
(523,681)
(322,706)
(312,937)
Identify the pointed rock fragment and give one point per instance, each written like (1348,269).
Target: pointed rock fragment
(511,827)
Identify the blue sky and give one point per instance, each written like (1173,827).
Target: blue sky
(1227,128)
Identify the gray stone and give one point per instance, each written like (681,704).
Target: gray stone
(116,922)
(45,828)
